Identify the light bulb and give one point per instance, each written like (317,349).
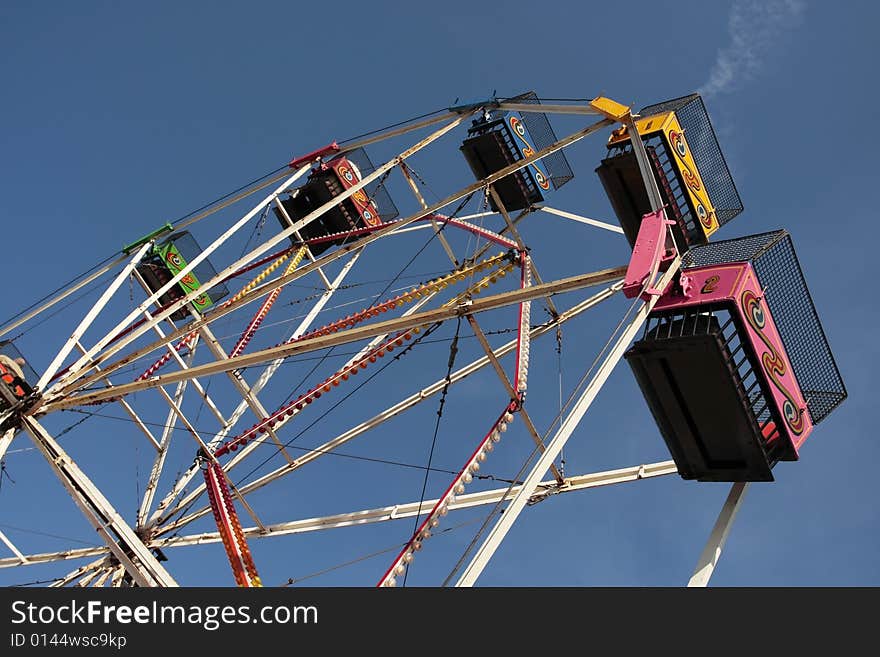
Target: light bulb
(502,427)
(400,569)
(489,446)
(508,417)
(475,466)
(408,557)
(391,582)
(459,488)
(467,478)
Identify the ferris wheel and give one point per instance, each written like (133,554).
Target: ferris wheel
(302,359)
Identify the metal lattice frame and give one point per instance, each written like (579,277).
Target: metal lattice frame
(91,376)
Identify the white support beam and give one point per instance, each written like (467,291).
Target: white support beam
(424,318)
(63,295)
(548,108)
(712,552)
(583,220)
(125,545)
(388,134)
(128,409)
(203,448)
(645,168)
(405,170)
(511,512)
(12,547)
(508,387)
(152,298)
(175,355)
(241,386)
(164,444)
(86,322)
(79,572)
(6,439)
(511,226)
(386,513)
(411,509)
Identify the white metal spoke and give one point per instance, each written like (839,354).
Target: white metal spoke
(583,220)
(512,511)
(712,552)
(12,548)
(91,315)
(154,296)
(125,545)
(6,439)
(387,513)
(173,352)
(159,461)
(357,333)
(79,572)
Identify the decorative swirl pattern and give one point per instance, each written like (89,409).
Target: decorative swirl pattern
(772,360)
(520,131)
(361,201)
(691,179)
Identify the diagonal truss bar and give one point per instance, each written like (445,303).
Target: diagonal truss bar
(511,512)
(6,439)
(22,559)
(152,298)
(351,335)
(499,370)
(203,449)
(91,315)
(712,552)
(164,444)
(383,514)
(173,352)
(583,220)
(79,572)
(128,409)
(63,295)
(511,226)
(125,545)
(240,385)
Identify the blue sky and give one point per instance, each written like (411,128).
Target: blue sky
(117,117)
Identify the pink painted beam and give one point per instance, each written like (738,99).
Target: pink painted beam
(648,253)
